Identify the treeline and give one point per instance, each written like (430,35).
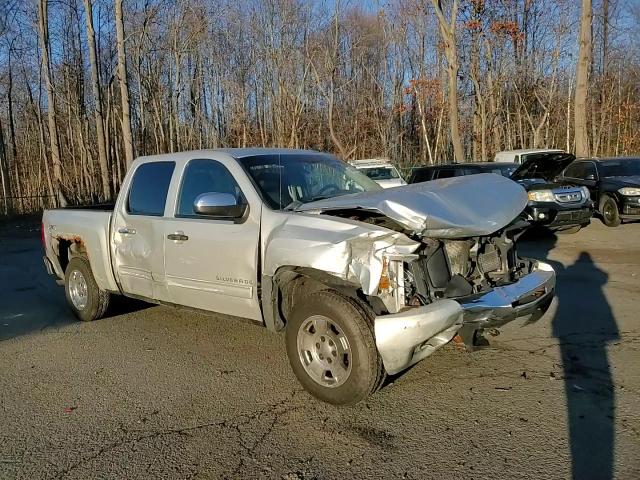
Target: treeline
(87,84)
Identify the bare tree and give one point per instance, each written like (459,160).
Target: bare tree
(448,34)
(582,81)
(43,30)
(97,99)
(127,138)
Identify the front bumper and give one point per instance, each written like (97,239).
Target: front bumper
(630,208)
(553,215)
(528,297)
(407,337)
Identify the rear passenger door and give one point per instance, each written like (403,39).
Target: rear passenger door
(137,234)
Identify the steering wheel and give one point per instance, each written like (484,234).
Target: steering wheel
(326,188)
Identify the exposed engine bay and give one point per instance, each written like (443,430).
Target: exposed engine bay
(447,268)
(459,268)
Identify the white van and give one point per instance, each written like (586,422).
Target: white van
(520,156)
(380,170)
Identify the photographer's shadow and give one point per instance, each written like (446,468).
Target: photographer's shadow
(584,326)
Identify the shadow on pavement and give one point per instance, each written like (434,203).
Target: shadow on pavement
(584,325)
(30,300)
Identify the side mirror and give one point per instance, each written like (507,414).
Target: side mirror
(591,177)
(219,205)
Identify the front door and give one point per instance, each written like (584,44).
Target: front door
(211,263)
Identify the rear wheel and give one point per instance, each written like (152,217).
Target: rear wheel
(332,350)
(609,211)
(85,298)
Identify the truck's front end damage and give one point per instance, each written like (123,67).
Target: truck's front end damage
(442,261)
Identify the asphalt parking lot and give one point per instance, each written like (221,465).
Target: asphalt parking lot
(157,392)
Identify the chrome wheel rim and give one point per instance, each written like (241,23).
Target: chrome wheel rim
(608,211)
(324,351)
(78,290)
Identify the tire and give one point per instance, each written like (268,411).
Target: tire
(332,350)
(609,211)
(87,301)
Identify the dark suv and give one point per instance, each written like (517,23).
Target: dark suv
(562,207)
(434,172)
(614,184)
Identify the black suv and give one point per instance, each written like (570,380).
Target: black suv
(561,207)
(614,184)
(434,172)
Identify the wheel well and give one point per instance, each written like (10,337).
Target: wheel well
(69,248)
(610,195)
(293,284)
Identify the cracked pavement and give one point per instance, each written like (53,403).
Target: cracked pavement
(158,392)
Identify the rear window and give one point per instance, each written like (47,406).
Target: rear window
(149,187)
(380,173)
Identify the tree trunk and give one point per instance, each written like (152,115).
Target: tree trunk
(97,98)
(582,82)
(124,87)
(43,30)
(448,33)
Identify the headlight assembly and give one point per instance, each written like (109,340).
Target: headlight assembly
(630,191)
(541,196)
(585,193)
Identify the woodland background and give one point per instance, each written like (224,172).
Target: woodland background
(87,85)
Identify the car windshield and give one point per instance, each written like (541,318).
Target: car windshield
(289,180)
(619,168)
(380,173)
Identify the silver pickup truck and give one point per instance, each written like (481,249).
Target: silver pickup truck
(364,281)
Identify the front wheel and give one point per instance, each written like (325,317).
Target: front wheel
(609,212)
(85,298)
(332,350)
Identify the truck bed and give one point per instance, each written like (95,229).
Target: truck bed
(88,227)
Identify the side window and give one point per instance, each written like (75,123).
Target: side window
(575,170)
(204,176)
(149,187)
(590,169)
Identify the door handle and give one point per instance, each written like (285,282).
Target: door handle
(178,237)
(127,231)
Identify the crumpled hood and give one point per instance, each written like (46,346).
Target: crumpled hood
(474,205)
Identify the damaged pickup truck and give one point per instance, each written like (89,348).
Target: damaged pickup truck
(364,281)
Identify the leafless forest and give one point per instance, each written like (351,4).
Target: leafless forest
(87,85)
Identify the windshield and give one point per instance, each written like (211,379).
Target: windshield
(619,168)
(380,173)
(289,180)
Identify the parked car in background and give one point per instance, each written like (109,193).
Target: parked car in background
(433,172)
(364,281)
(521,156)
(381,171)
(562,207)
(614,184)
(505,169)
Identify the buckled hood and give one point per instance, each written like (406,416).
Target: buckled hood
(546,165)
(474,205)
